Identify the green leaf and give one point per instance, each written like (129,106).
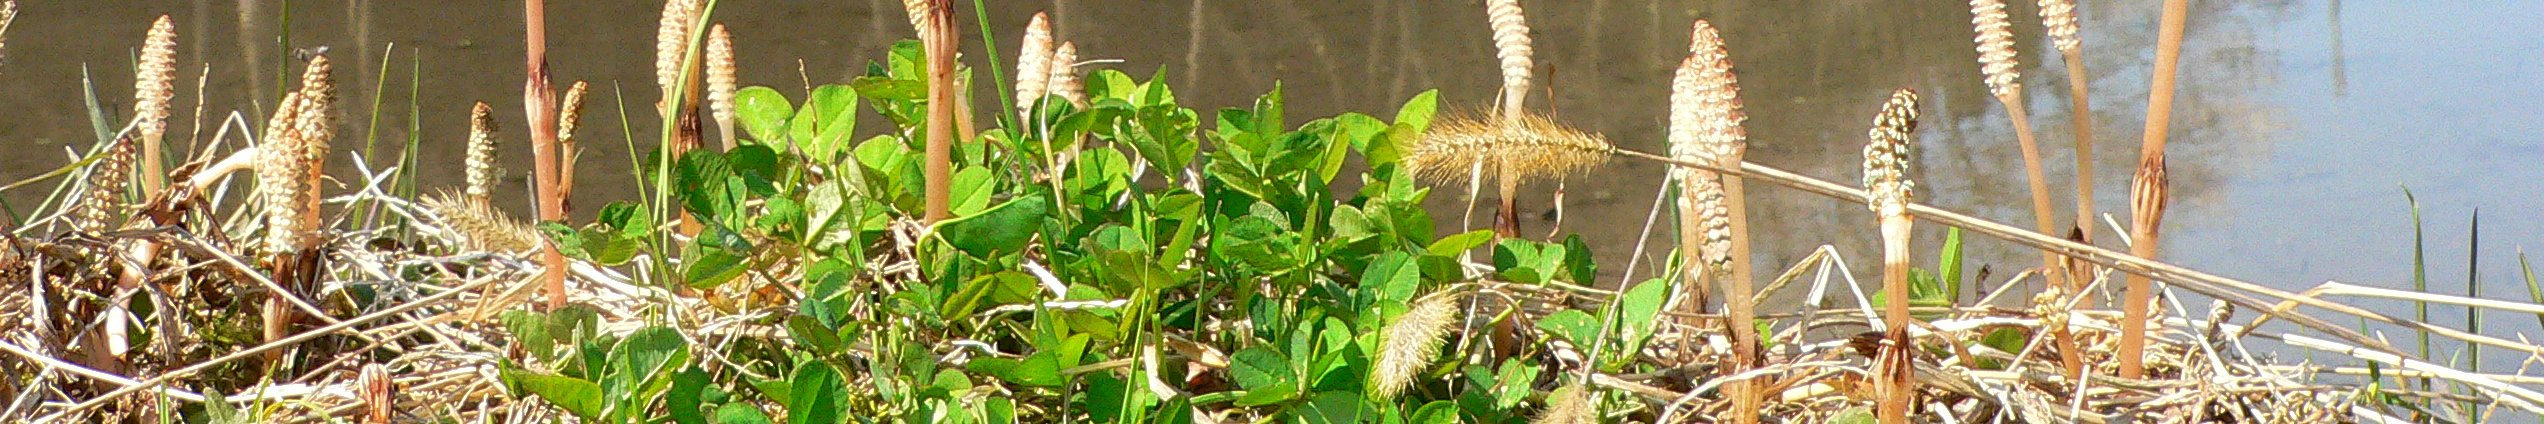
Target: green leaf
(817,395)
(1259,367)
(1639,311)
(823,126)
(1338,407)
(1451,246)
(1268,395)
(1950,264)
(971,189)
(763,112)
(713,267)
(1005,228)
(576,396)
(1436,412)
(1855,415)
(740,413)
(646,356)
(1572,324)
(688,388)
(1042,369)
(1394,278)
(886,88)
(810,332)
(1417,112)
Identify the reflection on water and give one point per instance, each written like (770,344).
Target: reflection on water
(2277,180)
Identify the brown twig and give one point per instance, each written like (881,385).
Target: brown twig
(2146,208)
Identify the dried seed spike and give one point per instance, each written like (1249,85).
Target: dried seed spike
(1527,148)
(1886,157)
(570,114)
(1704,218)
(295,159)
(1033,64)
(278,182)
(1412,341)
(1065,81)
(481,226)
(1512,45)
(2059,17)
(482,170)
(108,179)
(1996,47)
(154,85)
(671,43)
(1717,96)
(721,81)
(918,11)
(1569,405)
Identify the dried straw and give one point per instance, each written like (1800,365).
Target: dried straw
(1527,148)
(1512,45)
(482,169)
(1033,64)
(721,81)
(1409,344)
(154,86)
(1064,80)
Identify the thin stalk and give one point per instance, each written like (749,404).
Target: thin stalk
(539,100)
(2473,289)
(2078,93)
(2043,219)
(2147,211)
(1897,377)
(941,47)
(2420,269)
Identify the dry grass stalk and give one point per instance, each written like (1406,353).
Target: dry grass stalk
(1525,149)
(721,81)
(154,85)
(2148,188)
(8,15)
(480,226)
(2059,17)
(1996,59)
(941,45)
(1065,81)
(1512,45)
(1886,162)
(569,117)
(1033,65)
(1569,405)
(1705,125)
(482,169)
(1410,343)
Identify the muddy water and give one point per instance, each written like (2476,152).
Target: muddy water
(2298,125)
